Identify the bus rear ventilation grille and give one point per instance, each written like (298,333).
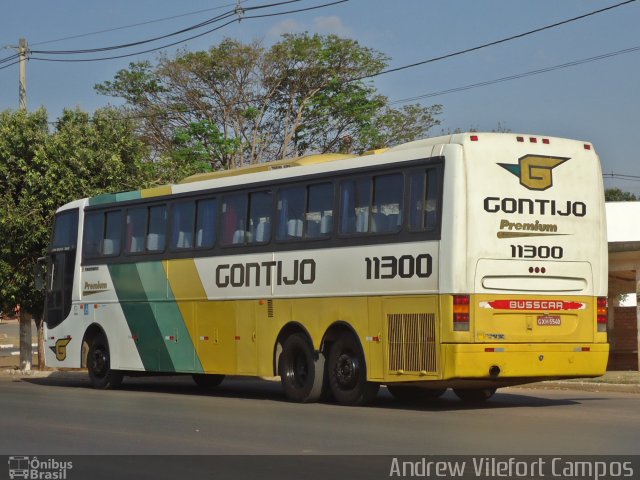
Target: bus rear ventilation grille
(412,342)
(270,308)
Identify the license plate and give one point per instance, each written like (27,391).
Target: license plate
(549,320)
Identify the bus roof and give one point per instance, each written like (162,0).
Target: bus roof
(318,160)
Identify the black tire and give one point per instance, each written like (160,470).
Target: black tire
(348,372)
(474,395)
(207,382)
(301,369)
(99,365)
(413,393)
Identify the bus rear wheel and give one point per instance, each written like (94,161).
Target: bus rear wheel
(301,369)
(99,365)
(413,393)
(348,372)
(474,395)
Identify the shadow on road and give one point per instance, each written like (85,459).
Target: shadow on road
(257,389)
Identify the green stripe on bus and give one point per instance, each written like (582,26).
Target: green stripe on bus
(139,314)
(114,197)
(168,317)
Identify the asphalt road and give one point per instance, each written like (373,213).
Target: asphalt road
(62,416)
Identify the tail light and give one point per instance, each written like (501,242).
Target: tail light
(602,313)
(461,306)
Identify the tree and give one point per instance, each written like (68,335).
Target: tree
(305,94)
(41,170)
(617,195)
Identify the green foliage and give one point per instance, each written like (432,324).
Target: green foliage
(198,148)
(617,195)
(41,170)
(305,94)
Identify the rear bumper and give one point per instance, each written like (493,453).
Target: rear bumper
(530,361)
(499,365)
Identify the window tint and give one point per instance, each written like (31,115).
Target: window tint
(424,208)
(183,224)
(157,228)
(386,212)
(92,243)
(259,217)
(65,230)
(234,219)
(136,226)
(305,212)
(102,233)
(113,233)
(290,213)
(355,198)
(372,204)
(319,215)
(206,223)
(246,219)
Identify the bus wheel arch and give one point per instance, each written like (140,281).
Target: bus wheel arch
(300,367)
(286,331)
(92,331)
(96,358)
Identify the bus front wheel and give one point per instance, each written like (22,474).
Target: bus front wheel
(348,372)
(474,395)
(99,365)
(301,369)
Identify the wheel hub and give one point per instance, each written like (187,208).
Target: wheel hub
(347,370)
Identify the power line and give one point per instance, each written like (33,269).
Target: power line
(124,27)
(9,58)
(161,37)
(622,176)
(221,17)
(496,42)
(516,76)
(10,64)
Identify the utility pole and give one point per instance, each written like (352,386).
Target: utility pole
(23,51)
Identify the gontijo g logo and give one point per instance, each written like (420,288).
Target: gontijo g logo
(534,171)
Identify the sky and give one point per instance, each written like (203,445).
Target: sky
(596,101)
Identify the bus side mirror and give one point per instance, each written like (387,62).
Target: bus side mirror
(38,273)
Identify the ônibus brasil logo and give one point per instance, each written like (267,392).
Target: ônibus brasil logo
(38,469)
(534,171)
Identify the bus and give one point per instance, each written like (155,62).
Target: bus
(471,261)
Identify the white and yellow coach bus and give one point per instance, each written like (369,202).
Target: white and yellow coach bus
(471,261)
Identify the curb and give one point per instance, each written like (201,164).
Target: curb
(585,386)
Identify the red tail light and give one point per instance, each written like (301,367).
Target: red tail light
(602,313)
(461,307)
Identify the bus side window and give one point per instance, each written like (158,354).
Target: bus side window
(92,242)
(206,223)
(424,206)
(260,205)
(355,198)
(113,233)
(290,213)
(234,218)
(136,226)
(157,228)
(386,211)
(319,214)
(183,224)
